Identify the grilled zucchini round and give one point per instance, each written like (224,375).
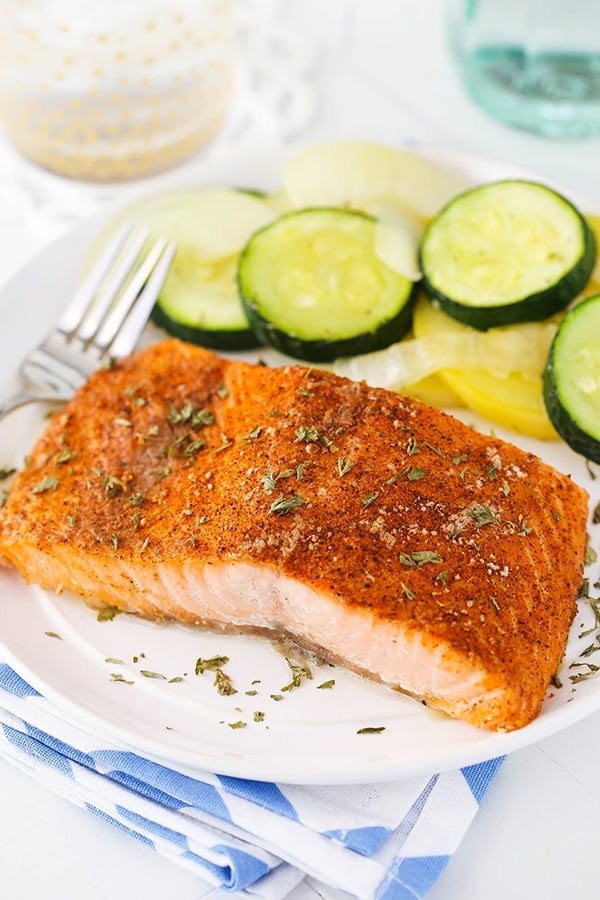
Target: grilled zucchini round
(506,252)
(314,288)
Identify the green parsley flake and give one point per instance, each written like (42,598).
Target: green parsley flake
(210,665)
(283,505)
(457,460)
(194,447)
(590,669)
(223,684)
(64,456)
(435,449)
(307,433)
(107,614)
(225,443)
(301,469)
(202,417)
(370,498)
(591,555)
(253,435)
(420,558)
(344,465)
(299,673)
(187,414)
(483,515)
(49,483)
(116,676)
(153,431)
(269,480)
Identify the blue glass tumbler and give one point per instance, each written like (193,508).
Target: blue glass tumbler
(533,64)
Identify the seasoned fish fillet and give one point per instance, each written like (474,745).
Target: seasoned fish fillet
(384,534)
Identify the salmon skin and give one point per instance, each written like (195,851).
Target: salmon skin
(364,525)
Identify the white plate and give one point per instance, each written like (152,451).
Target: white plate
(308,736)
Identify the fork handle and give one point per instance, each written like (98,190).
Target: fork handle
(22,398)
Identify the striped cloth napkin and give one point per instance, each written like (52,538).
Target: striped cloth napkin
(254,839)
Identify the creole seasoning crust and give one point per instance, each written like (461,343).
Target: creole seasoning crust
(402,517)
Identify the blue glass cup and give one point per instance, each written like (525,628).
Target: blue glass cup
(533,64)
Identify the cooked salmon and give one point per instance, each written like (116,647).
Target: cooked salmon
(366,526)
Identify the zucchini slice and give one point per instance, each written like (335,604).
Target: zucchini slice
(314,288)
(199,301)
(572,379)
(506,252)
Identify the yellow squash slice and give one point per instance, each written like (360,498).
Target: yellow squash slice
(502,392)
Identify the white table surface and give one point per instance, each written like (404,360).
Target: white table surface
(383,72)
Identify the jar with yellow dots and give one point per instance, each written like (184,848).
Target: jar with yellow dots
(117,89)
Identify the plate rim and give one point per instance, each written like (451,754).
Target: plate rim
(498,744)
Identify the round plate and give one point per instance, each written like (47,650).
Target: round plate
(134,682)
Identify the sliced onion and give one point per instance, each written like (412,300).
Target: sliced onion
(352,173)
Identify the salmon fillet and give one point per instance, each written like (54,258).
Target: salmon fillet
(364,525)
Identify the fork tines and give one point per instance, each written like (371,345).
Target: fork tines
(113,304)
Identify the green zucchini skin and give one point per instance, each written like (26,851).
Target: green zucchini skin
(199,300)
(532,307)
(324,351)
(580,431)
(214,339)
(202,306)
(327,348)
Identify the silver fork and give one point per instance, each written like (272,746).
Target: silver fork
(103,321)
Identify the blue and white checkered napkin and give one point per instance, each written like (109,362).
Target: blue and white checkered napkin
(380,841)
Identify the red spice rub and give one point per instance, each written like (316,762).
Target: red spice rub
(384,533)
